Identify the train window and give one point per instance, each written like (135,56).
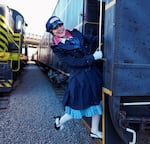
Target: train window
(19,22)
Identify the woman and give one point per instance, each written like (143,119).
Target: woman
(83,93)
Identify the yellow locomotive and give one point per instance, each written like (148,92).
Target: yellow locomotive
(12,59)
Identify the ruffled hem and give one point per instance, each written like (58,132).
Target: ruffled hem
(89,112)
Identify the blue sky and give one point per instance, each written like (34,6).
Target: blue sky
(36,12)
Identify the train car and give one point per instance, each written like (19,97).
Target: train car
(126,92)
(82,15)
(85,18)
(123,28)
(58,72)
(12,31)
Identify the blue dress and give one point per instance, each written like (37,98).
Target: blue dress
(82,96)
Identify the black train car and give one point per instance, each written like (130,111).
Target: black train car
(126,92)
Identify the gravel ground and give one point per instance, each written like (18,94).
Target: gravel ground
(29,117)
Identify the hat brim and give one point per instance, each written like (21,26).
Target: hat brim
(56,23)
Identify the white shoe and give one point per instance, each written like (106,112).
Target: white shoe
(57,124)
(96,135)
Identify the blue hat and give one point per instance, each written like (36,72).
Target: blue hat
(52,22)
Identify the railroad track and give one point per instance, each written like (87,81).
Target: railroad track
(4,101)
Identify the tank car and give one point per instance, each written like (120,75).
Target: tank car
(12,30)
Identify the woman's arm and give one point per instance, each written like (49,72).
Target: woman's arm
(85,61)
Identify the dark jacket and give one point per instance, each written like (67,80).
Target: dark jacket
(85,81)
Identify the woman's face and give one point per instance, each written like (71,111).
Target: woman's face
(59,31)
